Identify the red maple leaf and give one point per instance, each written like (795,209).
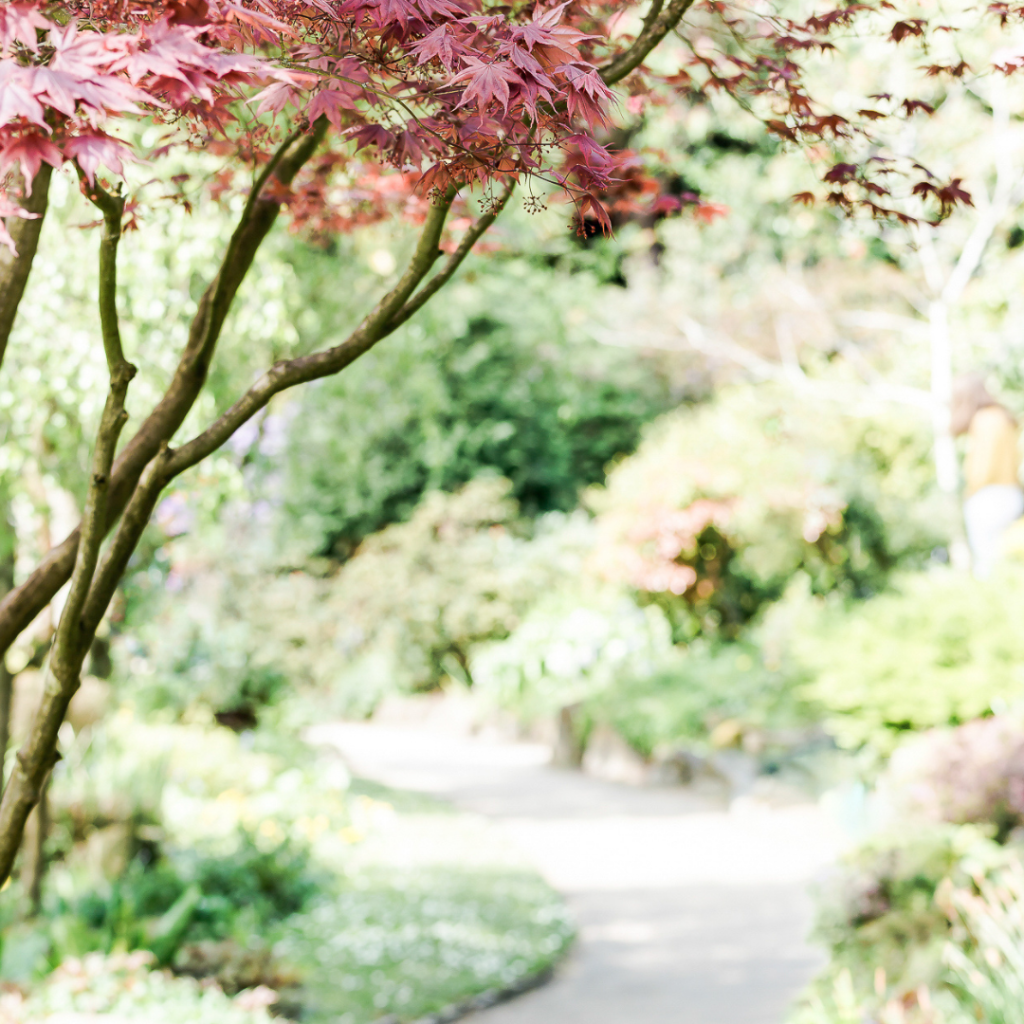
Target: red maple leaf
(488,82)
(30,151)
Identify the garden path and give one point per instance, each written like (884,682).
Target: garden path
(687,913)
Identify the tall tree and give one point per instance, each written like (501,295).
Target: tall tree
(343,111)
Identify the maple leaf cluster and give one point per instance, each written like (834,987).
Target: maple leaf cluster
(760,57)
(446,92)
(428,95)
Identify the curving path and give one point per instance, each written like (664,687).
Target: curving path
(687,913)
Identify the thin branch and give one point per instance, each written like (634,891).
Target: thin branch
(264,176)
(129,530)
(375,326)
(38,753)
(112,208)
(170,463)
(454,261)
(653,32)
(23,604)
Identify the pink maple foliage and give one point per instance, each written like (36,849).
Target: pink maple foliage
(451,92)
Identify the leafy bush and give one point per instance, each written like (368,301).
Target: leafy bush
(171,835)
(569,649)
(987,959)
(884,919)
(249,862)
(705,695)
(616,660)
(125,987)
(971,774)
(928,950)
(207,784)
(418,596)
(164,902)
(508,390)
(402,614)
(196,645)
(723,504)
(939,650)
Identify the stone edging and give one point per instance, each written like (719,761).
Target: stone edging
(483,1001)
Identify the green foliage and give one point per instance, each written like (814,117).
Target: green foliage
(886,921)
(487,383)
(705,688)
(249,861)
(722,505)
(418,596)
(571,648)
(988,961)
(125,988)
(194,637)
(940,649)
(616,660)
(179,896)
(229,632)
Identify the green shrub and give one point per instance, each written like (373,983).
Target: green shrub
(569,649)
(987,960)
(940,649)
(723,504)
(885,920)
(418,596)
(126,988)
(508,389)
(617,661)
(182,896)
(727,688)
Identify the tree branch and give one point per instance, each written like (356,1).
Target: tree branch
(454,261)
(112,208)
(14,270)
(94,581)
(38,753)
(376,325)
(665,18)
(24,603)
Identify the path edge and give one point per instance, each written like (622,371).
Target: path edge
(491,997)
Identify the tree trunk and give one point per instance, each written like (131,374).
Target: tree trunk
(7,550)
(6,692)
(14,270)
(568,750)
(34,851)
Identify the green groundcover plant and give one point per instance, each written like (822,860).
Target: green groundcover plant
(260,876)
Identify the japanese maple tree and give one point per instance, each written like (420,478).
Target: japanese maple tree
(341,112)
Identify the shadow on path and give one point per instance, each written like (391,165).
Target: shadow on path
(687,913)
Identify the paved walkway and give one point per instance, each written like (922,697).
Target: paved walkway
(688,914)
